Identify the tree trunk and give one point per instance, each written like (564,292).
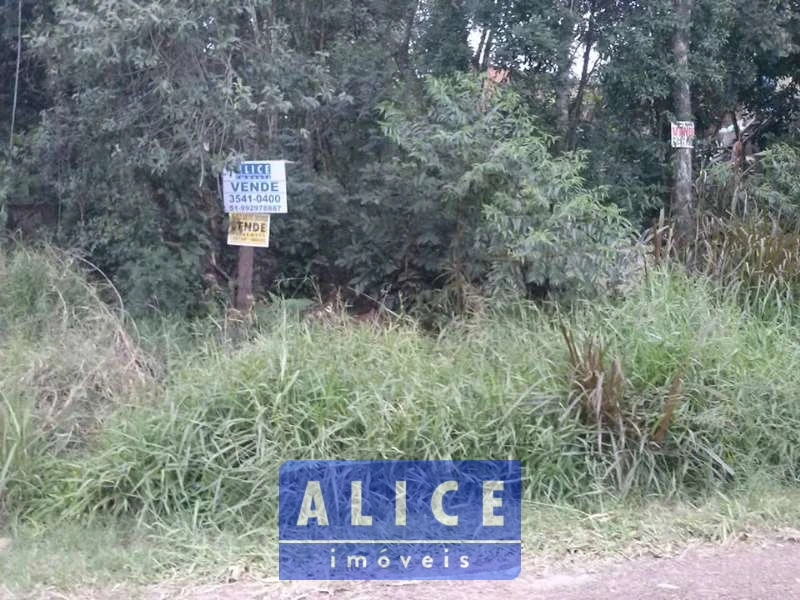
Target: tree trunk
(403,58)
(577,105)
(563,82)
(682,201)
(477,58)
(562,102)
(487,51)
(16,82)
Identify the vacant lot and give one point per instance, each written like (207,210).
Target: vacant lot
(138,452)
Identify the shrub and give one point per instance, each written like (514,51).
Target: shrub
(487,191)
(747,235)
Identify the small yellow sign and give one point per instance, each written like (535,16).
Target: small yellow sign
(248,229)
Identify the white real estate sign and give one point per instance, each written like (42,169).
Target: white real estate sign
(683,134)
(256,187)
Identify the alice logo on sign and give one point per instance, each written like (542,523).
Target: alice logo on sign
(400,520)
(313,506)
(262,169)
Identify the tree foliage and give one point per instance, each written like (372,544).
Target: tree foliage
(404,176)
(507,209)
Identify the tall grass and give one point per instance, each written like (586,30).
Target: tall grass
(704,396)
(66,360)
(746,236)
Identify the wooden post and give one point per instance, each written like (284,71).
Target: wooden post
(244,279)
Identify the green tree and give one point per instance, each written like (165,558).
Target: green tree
(150,100)
(444,45)
(128,111)
(734,49)
(22,97)
(31,98)
(483,184)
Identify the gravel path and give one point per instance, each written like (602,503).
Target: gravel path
(769,571)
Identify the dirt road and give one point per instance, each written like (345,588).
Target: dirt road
(769,571)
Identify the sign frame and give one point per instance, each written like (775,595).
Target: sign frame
(256,187)
(400,519)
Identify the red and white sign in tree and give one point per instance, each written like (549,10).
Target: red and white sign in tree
(683,134)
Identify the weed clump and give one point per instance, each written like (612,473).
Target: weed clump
(67,360)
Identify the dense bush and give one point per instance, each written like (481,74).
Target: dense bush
(486,189)
(746,237)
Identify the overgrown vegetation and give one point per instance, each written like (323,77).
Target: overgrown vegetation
(68,359)
(490,182)
(437,147)
(746,236)
(676,390)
